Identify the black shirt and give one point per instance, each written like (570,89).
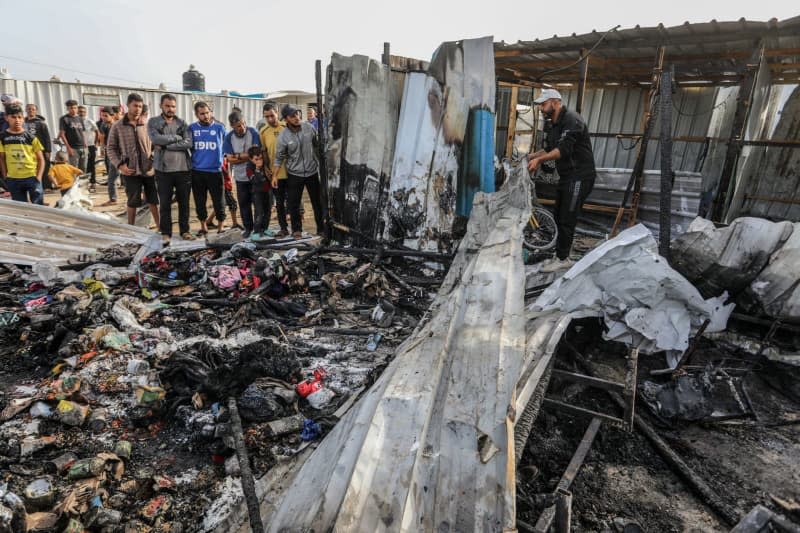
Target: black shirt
(73,130)
(38,127)
(104,128)
(571,136)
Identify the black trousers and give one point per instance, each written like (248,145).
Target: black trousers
(295,186)
(569,201)
(280,195)
(262,204)
(91,159)
(203,185)
(244,191)
(179,184)
(47,181)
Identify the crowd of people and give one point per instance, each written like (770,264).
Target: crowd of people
(164,159)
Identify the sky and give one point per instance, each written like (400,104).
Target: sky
(267,46)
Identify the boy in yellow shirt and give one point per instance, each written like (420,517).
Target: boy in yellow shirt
(63,174)
(269,140)
(21,159)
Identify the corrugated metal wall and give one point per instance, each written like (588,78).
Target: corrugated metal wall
(621,111)
(769,176)
(50,97)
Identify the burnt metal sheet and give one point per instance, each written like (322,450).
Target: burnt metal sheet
(773,187)
(33,233)
(363,106)
(429,148)
(709,50)
(431,446)
(421,196)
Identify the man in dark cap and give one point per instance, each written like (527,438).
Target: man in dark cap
(296,148)
(568,144)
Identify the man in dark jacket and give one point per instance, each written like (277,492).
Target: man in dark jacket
(36,126)
(172,162)
(568,144)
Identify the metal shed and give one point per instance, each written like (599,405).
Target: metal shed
(734,106)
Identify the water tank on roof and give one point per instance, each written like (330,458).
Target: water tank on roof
(194,80)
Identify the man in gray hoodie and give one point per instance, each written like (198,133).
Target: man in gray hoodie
(171,160)
(296,147)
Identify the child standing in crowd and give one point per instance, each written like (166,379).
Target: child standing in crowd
(21,159)
(230,201)
(262,199)
(63,174)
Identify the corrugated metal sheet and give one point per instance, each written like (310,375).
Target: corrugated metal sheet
(710,50)
(363,107)
(50,97)
(430,142)
(772,187)
(32,233)
(430,447)
(767,176)
(413,207)
(610,186)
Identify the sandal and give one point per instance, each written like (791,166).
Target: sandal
(201,232)
(187,236)
(108,203)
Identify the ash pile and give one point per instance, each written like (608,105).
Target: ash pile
(118,383)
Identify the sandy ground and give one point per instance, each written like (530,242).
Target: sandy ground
(101,196)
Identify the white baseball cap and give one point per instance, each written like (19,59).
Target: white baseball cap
(547,94)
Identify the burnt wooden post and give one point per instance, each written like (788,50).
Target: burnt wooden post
(665,215)
(563,511)
(635,181)
(322,146)
(512,121)
(736,137)
(584,72)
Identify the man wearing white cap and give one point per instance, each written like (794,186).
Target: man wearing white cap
(567,143)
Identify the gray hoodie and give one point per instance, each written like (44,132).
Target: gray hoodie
(296,148)
(171,144)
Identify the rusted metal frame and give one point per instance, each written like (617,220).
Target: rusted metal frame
(695,481)
(584,73)
(790,201)
(698,139)
(687,354)
(625,43)
(512,121)
(743,103)
(629,395)
(667,175)
(590,381)
(650,115)
(634,183)
(582,412)
(574,466)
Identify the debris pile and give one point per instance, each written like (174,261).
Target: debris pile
(115,381)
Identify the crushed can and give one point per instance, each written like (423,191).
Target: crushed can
(98,420)
(39,494)
(71,413)
(60,464)
(123,449)
(86,468)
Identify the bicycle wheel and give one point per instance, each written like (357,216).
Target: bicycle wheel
(540,232)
